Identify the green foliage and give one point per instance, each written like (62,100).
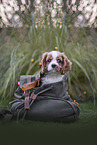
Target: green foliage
(21,45)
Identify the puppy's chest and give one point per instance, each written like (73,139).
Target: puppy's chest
(51,79)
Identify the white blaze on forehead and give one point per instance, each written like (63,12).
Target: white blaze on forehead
(54,54)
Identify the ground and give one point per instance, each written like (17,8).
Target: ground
(79,132)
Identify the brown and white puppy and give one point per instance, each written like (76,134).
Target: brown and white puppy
(54,65)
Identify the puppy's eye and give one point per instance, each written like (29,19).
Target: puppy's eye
(59,61)
(49,60)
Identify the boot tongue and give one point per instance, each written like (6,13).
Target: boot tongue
(58,89)
(55,91)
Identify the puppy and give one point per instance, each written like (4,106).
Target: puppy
(54,67)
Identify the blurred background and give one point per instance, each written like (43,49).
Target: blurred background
(28,28)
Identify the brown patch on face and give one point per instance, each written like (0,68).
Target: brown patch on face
(57,68)
(49,58)
(46,59)
(59,58)
(59,61)
(66,64)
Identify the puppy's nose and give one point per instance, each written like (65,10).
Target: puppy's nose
(53,65)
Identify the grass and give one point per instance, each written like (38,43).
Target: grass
(19,46)
(82,131)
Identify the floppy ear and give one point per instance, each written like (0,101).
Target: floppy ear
(43,62)
(66,64)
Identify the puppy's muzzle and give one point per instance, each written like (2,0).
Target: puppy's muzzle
(53,65)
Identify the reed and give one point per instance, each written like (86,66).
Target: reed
(22,48)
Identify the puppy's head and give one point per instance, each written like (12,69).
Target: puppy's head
(55,61)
